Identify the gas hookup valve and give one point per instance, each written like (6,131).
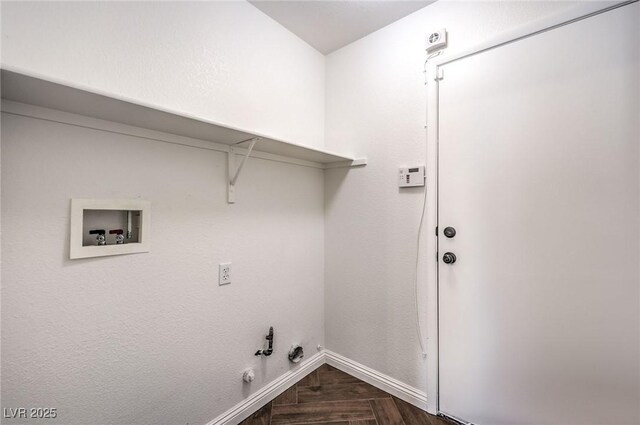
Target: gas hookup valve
(269,350)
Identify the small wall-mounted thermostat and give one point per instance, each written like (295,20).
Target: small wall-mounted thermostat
(412,177)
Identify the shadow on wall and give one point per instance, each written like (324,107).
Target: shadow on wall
(332,182)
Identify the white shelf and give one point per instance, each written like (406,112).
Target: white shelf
(19,87)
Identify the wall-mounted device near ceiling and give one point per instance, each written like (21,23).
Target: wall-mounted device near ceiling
(437,40)
(412,176)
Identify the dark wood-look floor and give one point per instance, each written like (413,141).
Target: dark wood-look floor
(328,396)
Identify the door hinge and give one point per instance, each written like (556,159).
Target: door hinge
(439,74)
(436,230)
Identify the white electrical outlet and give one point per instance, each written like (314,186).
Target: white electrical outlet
(224,273)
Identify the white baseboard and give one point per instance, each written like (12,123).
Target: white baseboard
(385,383)
(245,408)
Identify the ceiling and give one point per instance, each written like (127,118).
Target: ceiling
(330,25)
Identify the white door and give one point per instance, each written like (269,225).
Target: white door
(538,165)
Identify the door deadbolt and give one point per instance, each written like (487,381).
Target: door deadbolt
(449,258)
(449,232)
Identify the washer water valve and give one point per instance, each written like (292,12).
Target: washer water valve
(119,235)
(100,238)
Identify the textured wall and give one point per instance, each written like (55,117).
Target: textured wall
(151,338)
(371,225)
(224,61)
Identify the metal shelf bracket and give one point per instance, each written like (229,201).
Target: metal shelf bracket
(234,172)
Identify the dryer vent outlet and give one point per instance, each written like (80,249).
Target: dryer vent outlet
(437,40)
(296,354)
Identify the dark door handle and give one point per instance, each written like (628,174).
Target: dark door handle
(449,232)
(449,258)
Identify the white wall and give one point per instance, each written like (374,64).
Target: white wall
(151,338)
(224,61)
(375,106)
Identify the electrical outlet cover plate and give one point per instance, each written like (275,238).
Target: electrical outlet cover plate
(224,274)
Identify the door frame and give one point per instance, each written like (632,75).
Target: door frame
(434,73)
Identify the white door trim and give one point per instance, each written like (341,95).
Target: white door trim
(578,12)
